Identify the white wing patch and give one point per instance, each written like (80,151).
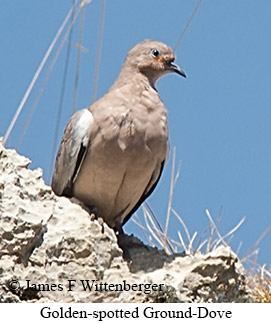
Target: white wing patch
(76,135)
(81,130)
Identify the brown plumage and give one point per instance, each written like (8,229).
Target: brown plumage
(112,153)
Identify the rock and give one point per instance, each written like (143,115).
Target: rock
(51,250)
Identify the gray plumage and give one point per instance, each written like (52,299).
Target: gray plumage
(112,153)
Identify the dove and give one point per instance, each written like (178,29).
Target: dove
(112,153)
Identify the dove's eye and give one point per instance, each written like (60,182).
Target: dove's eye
(155,52)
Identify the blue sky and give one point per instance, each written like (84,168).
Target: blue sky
(219,117)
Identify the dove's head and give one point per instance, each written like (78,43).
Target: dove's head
(153,59)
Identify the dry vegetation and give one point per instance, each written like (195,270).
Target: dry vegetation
(258,277)
(259,281)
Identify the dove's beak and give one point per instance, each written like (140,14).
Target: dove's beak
(175,68)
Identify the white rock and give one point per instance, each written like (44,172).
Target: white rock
(46,240)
